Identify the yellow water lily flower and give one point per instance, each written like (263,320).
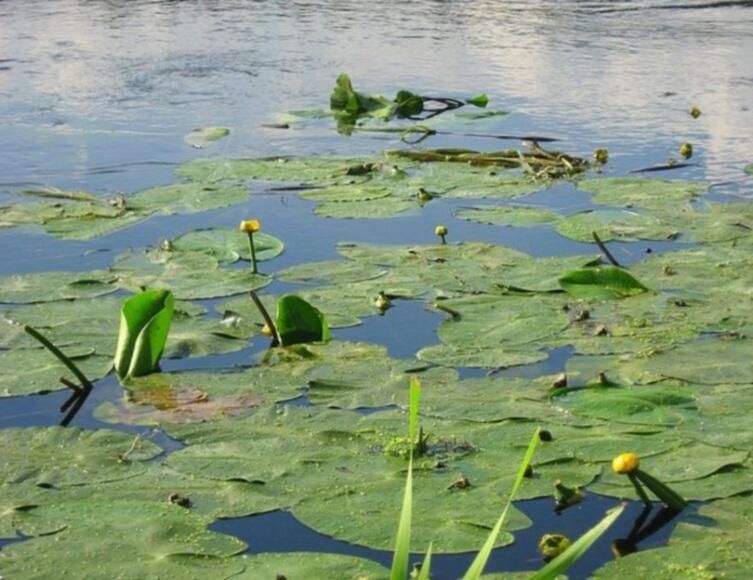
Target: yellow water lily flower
(266,330)
(250,226)
(441,231)
(625,463)
(552,545)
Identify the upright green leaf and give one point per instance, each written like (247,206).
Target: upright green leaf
(606,283)
(562,562)
(144,325)
(298,321)
(478,564)
(425,573)
(400,558)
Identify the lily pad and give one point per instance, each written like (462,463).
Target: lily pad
(622,225)
(369,209)
(331,272)
(186,198)
(171,542)
(639,192)
(508,215)
(200,138)
(495,357)
(62,456)
(346,193)
(228,245)
(49,286)
(312,566)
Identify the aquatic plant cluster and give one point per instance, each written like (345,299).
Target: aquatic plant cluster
(660,369)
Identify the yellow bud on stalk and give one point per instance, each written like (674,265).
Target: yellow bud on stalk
(552,545)
(625,463)
(251,226)
(266,330)
(441,231)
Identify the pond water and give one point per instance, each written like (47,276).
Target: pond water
(98,96)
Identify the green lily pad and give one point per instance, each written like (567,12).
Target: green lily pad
(368,209)
(62,456)
(463,181)
(543,274)
(312,566)
(699,549)
(495,357)
(508,215)
(49,286)
(651,405)
(200,138)
(448,517)
(330,272)
(641,192)
(171,542)
(506,320)
(346,193)
(17,512)
(228,245)
(186,198)
(188,275)
(36,370)
(622,225)
(330,170)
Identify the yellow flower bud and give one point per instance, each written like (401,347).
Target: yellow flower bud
(382,302)
(694,112)
(686,150)
(250,226)
(625,463)
(266,330)
(441,230)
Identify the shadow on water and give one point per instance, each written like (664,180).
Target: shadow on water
(280,531)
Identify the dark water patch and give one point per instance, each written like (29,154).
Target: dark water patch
(404,329)
(553,364)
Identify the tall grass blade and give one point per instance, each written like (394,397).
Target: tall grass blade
(567,558)
(479,563)
(401,556)
(425,572)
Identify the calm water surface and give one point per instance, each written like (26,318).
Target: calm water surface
(98,95)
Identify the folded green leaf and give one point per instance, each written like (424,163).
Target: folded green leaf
(562,562)
(604,283)
(298,321)
(425,573)
(144,325)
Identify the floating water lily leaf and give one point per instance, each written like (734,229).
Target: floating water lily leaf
(194,397)
(508,215)
(144,325)
(459,181)
(17,512)
(62,456)
(297,321)
(620,225)
(640,192)
(346,193)
(717,222)
(603,283)
(35,370)
(171,542)
(349,105)
(49,286)
(507,320)
(56,193)
(331,272)
(369,209)
(200,138)
(495,357)
(188,275)
(652,405)
(186,198)
(442,514)
(330,170)
(228,245)
(311,566)
(696,549)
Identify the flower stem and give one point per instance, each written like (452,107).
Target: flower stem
(253,252)
(639,489)
(85,383)
(267,318)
